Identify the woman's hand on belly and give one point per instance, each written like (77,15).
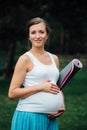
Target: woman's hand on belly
(47,86)
(60,112)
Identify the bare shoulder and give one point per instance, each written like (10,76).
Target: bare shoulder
(23,59)
(22,62)
(56,60)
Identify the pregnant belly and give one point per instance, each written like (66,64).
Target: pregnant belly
(52,102)
(46,102)
(42,102)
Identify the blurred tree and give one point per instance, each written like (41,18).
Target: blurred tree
(72,15)
(10,30)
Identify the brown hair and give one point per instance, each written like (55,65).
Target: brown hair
(38,20)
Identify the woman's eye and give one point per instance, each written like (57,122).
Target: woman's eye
(33,32)
(41,32)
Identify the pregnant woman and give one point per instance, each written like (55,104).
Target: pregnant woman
(40,99)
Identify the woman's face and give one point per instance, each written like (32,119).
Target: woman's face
(38,34)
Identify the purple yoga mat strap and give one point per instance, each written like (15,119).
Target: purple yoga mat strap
(68,72)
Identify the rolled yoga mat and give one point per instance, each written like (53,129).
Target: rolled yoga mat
(68,72)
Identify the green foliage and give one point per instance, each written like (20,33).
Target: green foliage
(3,59)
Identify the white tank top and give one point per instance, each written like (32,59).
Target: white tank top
(41,102)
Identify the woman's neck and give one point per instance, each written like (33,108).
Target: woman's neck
(40,51)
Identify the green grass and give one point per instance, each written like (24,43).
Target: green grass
(75,116)
(7,106)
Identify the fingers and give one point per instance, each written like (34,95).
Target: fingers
(54,85)
(54,89)
(52,116)
(48,86)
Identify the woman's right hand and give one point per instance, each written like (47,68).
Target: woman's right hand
(48,86)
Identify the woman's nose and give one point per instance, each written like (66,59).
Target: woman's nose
(37,35)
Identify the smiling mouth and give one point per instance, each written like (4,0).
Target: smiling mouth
(38,41)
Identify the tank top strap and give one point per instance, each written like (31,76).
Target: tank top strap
(33,59)
(51,56)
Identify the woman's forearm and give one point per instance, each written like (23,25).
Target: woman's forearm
(23,92)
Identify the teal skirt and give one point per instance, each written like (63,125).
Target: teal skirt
(32,121)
